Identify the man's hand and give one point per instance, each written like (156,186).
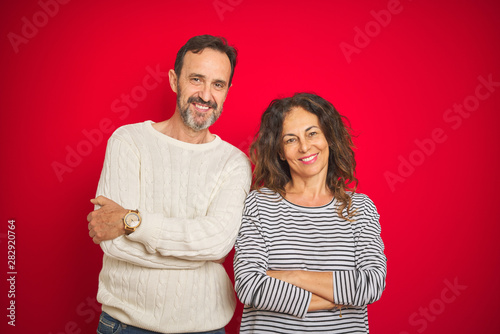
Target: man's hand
(106,223)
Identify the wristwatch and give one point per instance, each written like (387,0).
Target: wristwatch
(132,220)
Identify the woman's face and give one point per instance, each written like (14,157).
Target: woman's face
(304,145)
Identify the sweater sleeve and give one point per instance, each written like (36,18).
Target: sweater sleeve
(365,284)
(202,238)
(122,163)
(253,287)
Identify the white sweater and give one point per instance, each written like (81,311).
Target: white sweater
(190,197)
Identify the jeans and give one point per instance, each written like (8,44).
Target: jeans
(109,325)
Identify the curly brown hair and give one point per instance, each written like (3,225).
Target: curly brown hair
(273,173)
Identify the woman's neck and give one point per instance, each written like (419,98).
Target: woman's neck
(308,192)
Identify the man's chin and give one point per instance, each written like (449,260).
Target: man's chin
(199,121)
(198,126)
(204,122)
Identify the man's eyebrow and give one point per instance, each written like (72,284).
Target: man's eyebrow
(192,75)
(197,75)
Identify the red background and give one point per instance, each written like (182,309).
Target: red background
(436,194)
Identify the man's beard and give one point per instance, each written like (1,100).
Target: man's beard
(190,118)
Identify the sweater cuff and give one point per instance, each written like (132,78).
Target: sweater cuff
(148,232)
(280,296)
(344,287)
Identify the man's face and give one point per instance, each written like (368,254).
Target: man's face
(202,87)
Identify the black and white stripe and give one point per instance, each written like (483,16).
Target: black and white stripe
(279,235)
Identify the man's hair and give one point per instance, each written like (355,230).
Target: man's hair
(272,172)
(197,44)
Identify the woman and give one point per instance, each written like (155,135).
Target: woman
(309,257)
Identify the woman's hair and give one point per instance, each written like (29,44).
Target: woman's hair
(272,172)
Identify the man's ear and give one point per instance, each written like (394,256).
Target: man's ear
(172,79)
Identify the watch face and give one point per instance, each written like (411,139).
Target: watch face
(132,219)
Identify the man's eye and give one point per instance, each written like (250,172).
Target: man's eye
(219,85)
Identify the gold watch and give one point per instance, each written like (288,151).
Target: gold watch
(132,220)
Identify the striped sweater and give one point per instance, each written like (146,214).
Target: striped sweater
(279,235)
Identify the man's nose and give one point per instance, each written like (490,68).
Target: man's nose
(206,93)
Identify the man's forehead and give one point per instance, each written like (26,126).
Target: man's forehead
(207,62)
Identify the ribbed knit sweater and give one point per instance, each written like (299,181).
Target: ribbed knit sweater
(190,197)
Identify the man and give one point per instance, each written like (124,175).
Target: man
(169,206)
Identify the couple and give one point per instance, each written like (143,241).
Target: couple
(309,256)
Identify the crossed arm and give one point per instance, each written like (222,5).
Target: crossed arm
(359,287)
(162,241)
(319,283)
(106,223)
